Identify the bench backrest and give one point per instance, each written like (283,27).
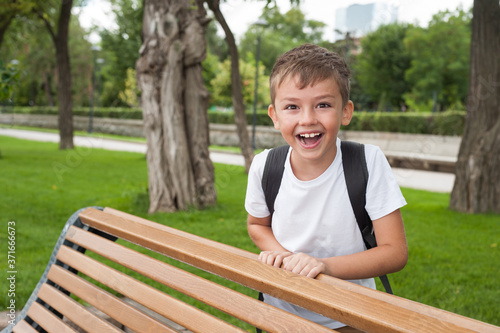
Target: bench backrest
(122,278)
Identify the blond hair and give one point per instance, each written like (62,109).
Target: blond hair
(311,64)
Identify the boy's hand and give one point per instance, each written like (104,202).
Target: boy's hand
(298,263)
(274,258)
(303,264)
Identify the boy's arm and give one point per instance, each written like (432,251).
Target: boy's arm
(262,235)
(390,255)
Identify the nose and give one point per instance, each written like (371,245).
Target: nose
(308,117)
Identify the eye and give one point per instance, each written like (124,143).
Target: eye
(323,105)
(291,107)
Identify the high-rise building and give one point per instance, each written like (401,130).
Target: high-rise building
(358,20)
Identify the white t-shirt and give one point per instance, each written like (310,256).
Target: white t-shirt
(316,217)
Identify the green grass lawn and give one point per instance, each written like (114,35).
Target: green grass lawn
(454,259)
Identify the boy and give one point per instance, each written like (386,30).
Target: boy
(313,229)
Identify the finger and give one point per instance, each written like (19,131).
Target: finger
(300,269)
(291,261)
(286,263)
(264,257)
(294,264)
(270,259)
(280,259)
(313,272)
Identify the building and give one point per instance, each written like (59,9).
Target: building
(358,20)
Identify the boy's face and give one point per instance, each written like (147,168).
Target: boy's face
(309,119)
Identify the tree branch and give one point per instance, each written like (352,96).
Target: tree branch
(52,34)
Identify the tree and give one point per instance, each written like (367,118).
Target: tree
(216,44)
(119,49)
(59,35)
(439,67)
(9,76)
(381,66)
(236,86)
(283,31)
(477,173)
(5,19)
(174,102)
(28,42)
(130,95)
(216,54)
(80,52)
(221,83)
(8,11)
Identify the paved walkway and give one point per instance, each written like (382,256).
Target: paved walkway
(417,179)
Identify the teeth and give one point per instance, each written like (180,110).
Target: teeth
(309,135)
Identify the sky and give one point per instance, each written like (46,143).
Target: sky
(240,14)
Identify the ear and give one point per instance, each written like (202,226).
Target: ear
(271,111)
(347,113)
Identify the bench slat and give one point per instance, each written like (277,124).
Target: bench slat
(74,311)
(362,312)
(169,307)
(49,321)
(234,303)
(173,231)
(23,327)
(418,308)
(106,302)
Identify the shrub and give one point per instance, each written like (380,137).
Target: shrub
(123,113)
(445,123)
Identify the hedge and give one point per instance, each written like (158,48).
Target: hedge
(444,123)
(123,113)
(262,118)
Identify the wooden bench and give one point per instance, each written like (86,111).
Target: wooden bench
(88,245)
(422,162)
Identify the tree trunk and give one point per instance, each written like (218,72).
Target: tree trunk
(175,103)
(64,84)
(5,21)
(477,182)
(236,87)
(46,88)
(64,77)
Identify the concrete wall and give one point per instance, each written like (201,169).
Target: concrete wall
(226,135)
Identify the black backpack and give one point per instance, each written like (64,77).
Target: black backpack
(356,177)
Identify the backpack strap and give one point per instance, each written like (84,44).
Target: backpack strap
(273,173)
(356,178)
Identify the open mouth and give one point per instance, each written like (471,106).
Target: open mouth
(309,139)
